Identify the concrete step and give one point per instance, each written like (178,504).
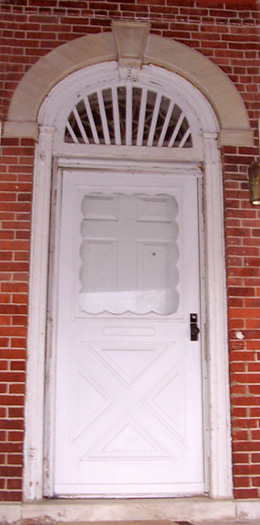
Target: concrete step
(48,521)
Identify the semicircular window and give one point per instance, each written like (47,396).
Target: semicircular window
(127,115)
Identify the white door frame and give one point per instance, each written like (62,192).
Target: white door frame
(218,408)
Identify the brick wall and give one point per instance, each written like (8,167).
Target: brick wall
(228,34)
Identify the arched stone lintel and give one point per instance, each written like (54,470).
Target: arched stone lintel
(92,49)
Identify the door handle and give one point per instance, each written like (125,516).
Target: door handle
(194,329)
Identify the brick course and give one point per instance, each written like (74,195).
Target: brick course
(227,32)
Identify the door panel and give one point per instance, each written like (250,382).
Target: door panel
(128,389)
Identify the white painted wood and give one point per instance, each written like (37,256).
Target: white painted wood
(128,123)
(184,138)
(140,132)
(218,367)
(148,79)
(154,120)
(127,152)
(116,116)
(129,165)
(166,123)
(34,407)
(129,389)
(176,130)
(91,120)
(72,134)
(150,112)
(82,129)
(103,117)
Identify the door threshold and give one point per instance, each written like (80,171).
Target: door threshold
(117,512)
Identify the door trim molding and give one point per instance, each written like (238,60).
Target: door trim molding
(218,397)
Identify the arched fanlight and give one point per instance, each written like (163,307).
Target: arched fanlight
(128,115)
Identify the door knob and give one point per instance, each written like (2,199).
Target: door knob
(194,329)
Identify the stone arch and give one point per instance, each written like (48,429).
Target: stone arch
(92,49)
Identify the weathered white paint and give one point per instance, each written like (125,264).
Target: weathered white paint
(216,326)
(33,447)
(106,75)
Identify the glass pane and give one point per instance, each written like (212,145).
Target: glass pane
(129,254)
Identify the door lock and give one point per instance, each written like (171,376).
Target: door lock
(194,329)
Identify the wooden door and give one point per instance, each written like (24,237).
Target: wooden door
(128,378)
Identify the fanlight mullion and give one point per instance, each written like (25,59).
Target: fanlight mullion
(184,138)
(129,95)
(176,130)
(91,121)
(103,117)
(71,132)
(80,125)
(140,132)
(116,116)
(154,120)
(166,123)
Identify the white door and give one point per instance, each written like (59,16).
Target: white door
(128,415)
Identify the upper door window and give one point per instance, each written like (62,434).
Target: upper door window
(129,253)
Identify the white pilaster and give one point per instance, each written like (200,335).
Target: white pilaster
(219,404)
(34,409)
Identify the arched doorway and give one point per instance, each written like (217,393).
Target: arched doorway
(128,407)
(217,361)
(134,403)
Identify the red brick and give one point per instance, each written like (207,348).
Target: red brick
(222,31)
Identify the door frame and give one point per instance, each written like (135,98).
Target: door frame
(217,405)
(37,415)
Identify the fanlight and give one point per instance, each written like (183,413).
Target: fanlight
(128,115)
